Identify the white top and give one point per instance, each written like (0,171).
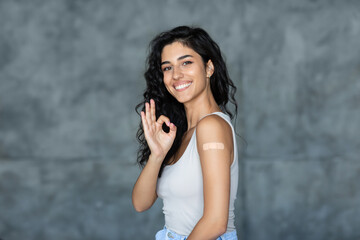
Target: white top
(181,188)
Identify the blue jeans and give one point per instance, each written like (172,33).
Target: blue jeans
(167,234)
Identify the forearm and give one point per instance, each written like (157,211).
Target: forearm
(208,229)
(144,192)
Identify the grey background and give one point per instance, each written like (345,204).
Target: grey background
(71,75)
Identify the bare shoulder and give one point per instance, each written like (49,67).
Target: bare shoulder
(214,139)
(213,126)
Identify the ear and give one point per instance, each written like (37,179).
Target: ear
(209,68)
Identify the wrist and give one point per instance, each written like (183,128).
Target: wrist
(156,159)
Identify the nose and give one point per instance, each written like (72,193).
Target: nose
(177,74)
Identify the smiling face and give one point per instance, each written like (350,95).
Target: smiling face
(185,75)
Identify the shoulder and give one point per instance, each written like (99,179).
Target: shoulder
(213,126)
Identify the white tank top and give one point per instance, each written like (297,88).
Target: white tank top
(181,188)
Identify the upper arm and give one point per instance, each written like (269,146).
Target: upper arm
(215,164)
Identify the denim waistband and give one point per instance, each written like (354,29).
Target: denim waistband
(167,234)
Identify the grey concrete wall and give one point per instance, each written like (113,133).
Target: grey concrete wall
(71,75)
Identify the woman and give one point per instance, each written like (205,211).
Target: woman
(188,150)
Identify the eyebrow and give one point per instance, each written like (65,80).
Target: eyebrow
(179,58)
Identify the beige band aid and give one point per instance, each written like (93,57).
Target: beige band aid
(213,145)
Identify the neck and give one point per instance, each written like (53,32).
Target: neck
(200,107)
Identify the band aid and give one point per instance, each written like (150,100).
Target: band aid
(213,145)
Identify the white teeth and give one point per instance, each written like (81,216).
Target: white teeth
(182,86)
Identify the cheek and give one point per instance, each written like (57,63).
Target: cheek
(166,81)
(198,72)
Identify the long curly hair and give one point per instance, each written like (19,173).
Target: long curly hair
(221,85)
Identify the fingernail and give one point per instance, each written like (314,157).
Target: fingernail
(168,124)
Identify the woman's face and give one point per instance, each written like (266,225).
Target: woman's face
(185,76)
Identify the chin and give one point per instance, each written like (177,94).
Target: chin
(181,99)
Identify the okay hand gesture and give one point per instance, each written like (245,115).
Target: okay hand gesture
(158,141)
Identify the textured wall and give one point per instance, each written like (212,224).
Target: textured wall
(71,75)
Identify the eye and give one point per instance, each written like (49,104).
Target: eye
(187,63)
(166,69)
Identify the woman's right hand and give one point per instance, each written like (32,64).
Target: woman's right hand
(158,141)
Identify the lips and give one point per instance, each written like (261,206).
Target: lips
(182,86)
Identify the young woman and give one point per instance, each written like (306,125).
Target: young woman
(188,148)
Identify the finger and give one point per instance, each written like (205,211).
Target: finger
(162,119)
(172,128)
(144,122)
(152,110)
(147,114)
